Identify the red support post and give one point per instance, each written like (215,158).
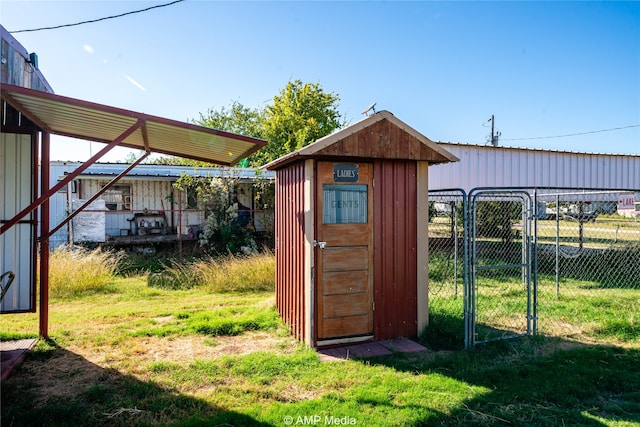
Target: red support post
(44,243)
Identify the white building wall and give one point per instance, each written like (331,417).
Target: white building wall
(16,244)
(58,202)
(145,194)
(488,166)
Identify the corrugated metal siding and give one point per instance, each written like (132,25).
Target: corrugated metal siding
(290,234)
(145,194)
(395,253)
(487,166)
(17,243)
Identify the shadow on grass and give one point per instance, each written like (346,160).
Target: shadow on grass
(60,388)
(444,332)
(537,381)
(447,332)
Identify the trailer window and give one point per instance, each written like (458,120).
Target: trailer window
(118,197)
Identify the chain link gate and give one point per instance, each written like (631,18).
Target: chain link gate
(481,256)
(501,264)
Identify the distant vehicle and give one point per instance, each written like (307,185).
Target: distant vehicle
(587,216)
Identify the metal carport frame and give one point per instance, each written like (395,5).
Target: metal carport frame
(58,115)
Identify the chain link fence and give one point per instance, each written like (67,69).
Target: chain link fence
(447,295)
(512,262)
(588,263)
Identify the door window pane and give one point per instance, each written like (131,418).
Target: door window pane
(344,204)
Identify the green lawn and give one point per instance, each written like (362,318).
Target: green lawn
(130,354)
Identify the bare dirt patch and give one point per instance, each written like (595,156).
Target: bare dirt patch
(140,351)
(188,348)
(73,370)
(65,375)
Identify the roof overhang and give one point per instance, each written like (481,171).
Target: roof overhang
(423,149)
(59,115)
(172,173)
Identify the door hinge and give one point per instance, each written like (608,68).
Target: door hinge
(373,306)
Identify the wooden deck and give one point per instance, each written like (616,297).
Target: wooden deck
(12,353)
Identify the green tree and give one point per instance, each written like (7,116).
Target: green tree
(133,156)
(496,219)
(300,114)
(236,119)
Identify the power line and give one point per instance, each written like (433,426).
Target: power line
(97,20)
(570,134)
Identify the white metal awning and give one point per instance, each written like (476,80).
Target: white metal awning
(76,118)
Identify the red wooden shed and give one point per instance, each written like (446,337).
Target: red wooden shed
(351,233)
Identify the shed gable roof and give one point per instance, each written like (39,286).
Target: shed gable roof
(379,136)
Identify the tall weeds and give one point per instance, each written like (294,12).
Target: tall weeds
(73,271)
(225,274)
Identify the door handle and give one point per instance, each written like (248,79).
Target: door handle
(320,245)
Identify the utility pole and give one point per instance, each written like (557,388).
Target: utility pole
(494,135)
(493,141)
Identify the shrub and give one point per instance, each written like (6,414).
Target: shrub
(224,231)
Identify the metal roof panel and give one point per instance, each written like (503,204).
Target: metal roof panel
(76,118)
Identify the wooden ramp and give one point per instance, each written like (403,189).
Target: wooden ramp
(12,353)
(371,349)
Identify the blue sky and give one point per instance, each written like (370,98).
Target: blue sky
(542,68)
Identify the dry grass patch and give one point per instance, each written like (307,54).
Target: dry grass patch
(231,273)
(184,349)
(77,270)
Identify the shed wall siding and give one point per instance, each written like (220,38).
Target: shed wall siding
(487,166)
(290,248)
(395,243)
